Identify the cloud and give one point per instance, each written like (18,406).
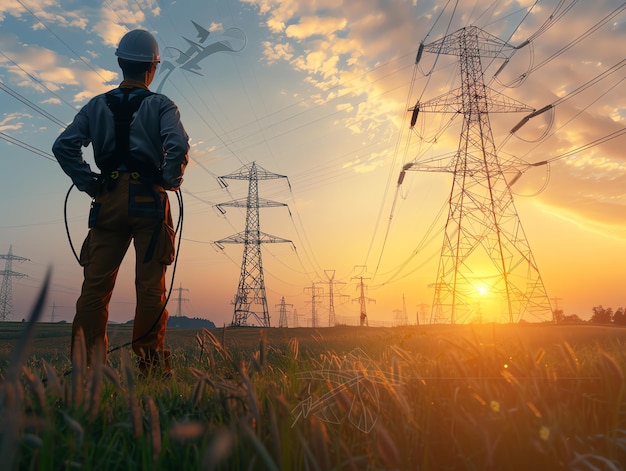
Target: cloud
(310,26)
(13,122)
(56,73)
(43,13)
(344,49)
(274,52)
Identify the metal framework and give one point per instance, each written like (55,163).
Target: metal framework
(331,282)
(179,300)
(315,292)
(282,320)
(363,300)
(6,290)
(250,299)
(486,270)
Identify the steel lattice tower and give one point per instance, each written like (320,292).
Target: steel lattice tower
(363,300)
(179,300)
(251,289)
(282,320)
(6,290)
(484,247)
(330,276)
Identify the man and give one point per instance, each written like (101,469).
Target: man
(141,149)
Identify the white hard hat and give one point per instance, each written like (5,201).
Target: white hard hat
(138,45)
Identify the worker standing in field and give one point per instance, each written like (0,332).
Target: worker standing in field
(141,149)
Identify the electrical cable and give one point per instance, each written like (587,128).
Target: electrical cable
(578,39)
(26,146)
(396,151)
(178,230)
(67,227)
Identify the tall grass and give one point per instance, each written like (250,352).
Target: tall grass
(402,402)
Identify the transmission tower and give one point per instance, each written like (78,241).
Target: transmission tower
(179,300)
(6,290)
(314,302)
(282,309)
(484,248)
(330,275)
(363,300)
(251,288)
(401,317)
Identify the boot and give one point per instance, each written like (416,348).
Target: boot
(156,364)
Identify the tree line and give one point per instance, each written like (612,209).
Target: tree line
(601,315)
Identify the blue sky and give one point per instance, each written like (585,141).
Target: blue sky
(320,93)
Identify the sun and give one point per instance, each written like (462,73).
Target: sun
(482,290)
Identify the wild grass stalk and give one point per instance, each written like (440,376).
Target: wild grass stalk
(394,400)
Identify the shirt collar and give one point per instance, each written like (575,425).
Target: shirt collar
(131,83)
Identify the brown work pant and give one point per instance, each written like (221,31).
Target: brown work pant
(114,223)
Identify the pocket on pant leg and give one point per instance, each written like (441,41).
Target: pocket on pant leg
(165,250)
(94,210)
(85,251)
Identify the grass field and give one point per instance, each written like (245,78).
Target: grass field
(439,397)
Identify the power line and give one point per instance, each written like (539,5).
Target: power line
(24,145)
(31,105)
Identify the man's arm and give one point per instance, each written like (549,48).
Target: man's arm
(175,147)
(68,151)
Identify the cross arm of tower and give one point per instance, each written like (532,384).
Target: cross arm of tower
(243,173)
(488,44)
(452,102)
(243,203)
(243,238)
(12,273)
(14,258)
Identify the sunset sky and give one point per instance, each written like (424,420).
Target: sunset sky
(319,91)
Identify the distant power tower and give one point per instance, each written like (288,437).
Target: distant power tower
(6,290)
(484,249)
(251,289)
(330,275)
(401,317)
(314,302)
(179,300)
(282,320)
(54,308)
(363,300)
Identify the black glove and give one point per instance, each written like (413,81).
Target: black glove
(93,189)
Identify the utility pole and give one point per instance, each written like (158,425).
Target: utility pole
(484,244)
(282,320)
(363,300)
(314,302)
(6,290)
(180,300)
(251,288)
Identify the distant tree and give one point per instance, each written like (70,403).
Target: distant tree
(558,315)
(602,315)
(619,318)
(571,318)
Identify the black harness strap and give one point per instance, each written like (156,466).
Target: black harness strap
(124,108)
